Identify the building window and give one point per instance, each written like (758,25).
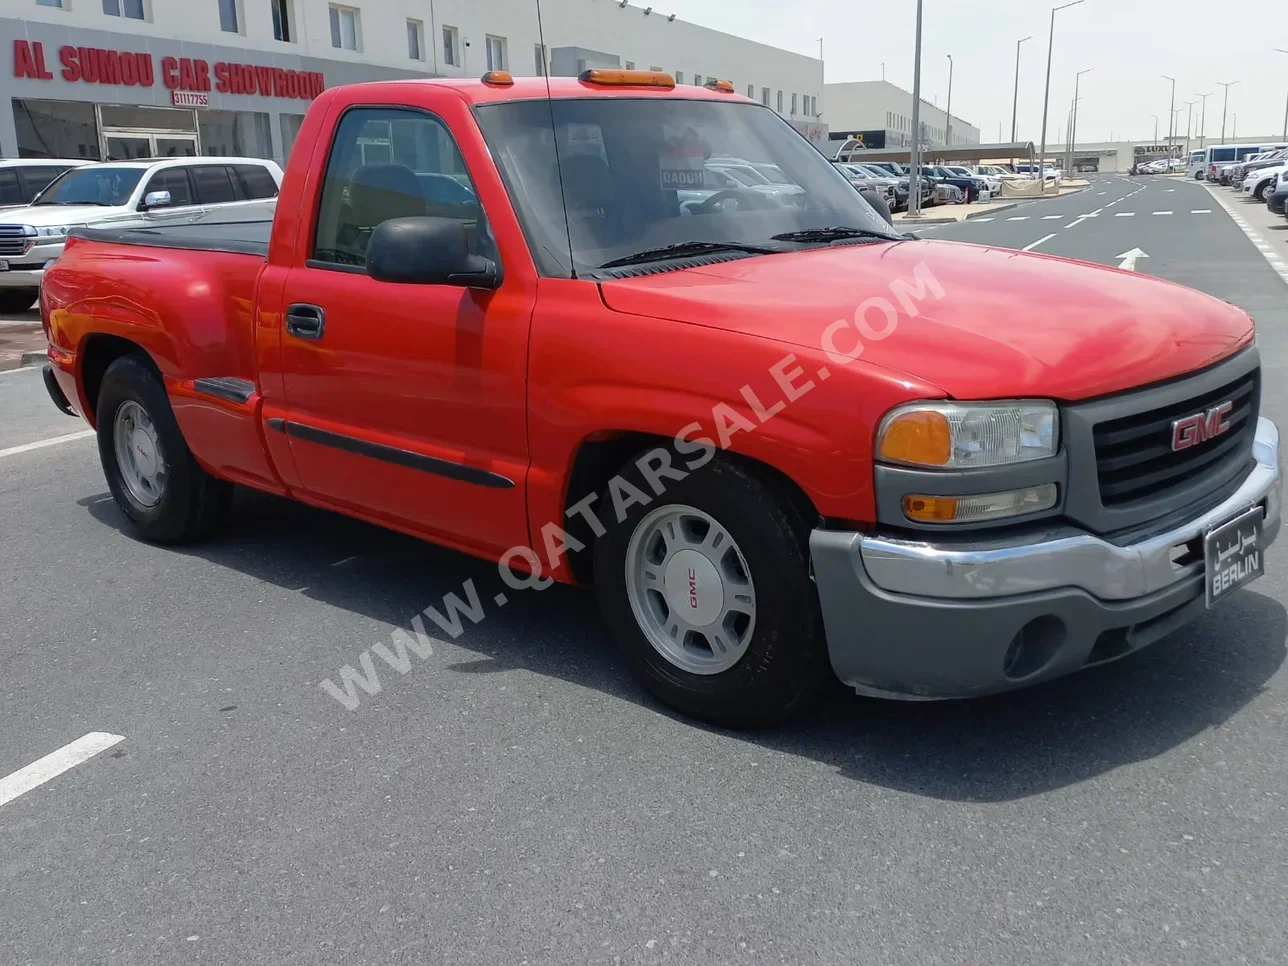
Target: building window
(450,45)
(630,65)
(780,102)
(281,20)
(657,69)
(290,125)
(496,59)
(415,40)
(539,60)
(793,105)
(56,129)
(229,22)
(131,9)
(697,80)
(50,3)
(764,96)
(345,28)
(679,77)
(751,90)
(235,134)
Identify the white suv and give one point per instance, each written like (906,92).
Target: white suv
(127,194)
(21,179)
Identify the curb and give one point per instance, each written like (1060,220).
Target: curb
(33,358)
(927,221)
(990,211)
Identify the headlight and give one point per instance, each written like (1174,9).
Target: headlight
(57,231)
(947,435)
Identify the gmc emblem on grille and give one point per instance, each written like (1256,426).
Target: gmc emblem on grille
(1200,427)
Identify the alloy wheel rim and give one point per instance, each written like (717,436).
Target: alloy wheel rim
(690,589)
(138,454)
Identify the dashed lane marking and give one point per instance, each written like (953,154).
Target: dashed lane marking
(1051,217)
(1162,212)
(988,218)
(1272,259)
(1124,214)
(1032,245)
(1200,211)
(1019,218)
(55,763)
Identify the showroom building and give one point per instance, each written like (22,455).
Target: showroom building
(114,79)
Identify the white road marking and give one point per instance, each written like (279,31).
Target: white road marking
(42,443)
(1278,266)
(1129,259)
(988,218)
(340,563)
(55,763)
(1124,214)
(1029,248)
(1162,212)
(1200,211)
(1019,218)
(1051,217)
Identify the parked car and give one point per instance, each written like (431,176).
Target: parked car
(1278,197)
(749,177)
(862,179)
(1265,159)
(979,497)
(127,194)
(993,185)
(22,179)
(968,184)
(1260,182)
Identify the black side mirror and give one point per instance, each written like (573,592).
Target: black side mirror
(428,251)
(878,204)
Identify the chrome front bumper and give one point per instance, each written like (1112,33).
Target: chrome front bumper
(1104,570)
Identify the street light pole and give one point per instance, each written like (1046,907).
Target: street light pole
(1046,96)
(1073,136)
(1171,109)
(914,180)
(1189,122)
(1015,101)
(948,128)
(1225,104)
(1203,117)
(1155,117)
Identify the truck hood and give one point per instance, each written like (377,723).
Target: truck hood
(1008,323)
(44,215)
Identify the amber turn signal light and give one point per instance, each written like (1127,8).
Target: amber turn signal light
(930,509)
(627,78)
(919,436)
(719,85)
(499,78)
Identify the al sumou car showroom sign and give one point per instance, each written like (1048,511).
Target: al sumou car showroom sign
(94,65)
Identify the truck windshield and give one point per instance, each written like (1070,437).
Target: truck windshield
(92,185)
(643,174)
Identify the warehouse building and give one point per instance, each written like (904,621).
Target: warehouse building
(142,78)
(880,114)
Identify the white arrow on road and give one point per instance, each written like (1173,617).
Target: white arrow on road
(1129,259)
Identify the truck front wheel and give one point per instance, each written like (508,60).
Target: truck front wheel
(707,590)
(165,495)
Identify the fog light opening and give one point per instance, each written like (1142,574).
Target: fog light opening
(1033,647)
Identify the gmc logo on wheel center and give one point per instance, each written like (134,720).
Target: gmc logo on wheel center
(1200,427)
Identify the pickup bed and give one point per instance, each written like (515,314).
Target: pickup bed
(781,440)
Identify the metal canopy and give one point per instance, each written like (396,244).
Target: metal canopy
(853,151)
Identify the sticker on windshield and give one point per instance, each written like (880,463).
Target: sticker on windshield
(682,162)
(583,139)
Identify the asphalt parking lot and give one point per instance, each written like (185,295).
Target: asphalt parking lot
(515,798)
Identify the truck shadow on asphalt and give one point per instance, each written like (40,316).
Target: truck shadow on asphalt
(987,750)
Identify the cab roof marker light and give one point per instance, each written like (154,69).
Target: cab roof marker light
(627,78)
(498,78)
(719,85)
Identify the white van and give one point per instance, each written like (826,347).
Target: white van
(1216,155)
(1195,167)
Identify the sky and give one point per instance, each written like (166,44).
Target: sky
(1127,44)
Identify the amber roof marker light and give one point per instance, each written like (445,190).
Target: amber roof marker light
(498,78)
(627,78)
(723,86)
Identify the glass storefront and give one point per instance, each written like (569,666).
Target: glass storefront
(74,129)
(290,131)
(56,129)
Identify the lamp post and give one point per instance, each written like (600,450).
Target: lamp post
(1155,117)
(1073,136)
(1189,122)
(1171,108)
(1203,117)
(1046,96)
(1225,103)
(1015,100)
(914,156)
(948,127)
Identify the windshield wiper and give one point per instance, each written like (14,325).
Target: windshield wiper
(686,250)
(98,204)
(835,233)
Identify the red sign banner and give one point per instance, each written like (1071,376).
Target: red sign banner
(94,65)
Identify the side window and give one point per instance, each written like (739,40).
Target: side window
(256,182)
(10,191)
(392,163)
(36,179)
(214,186)
(175,181)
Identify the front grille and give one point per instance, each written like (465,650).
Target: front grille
(1134,455)
(13,240)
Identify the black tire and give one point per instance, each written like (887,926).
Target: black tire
(785,663)
(15,300)
(192,503)
(1263,191)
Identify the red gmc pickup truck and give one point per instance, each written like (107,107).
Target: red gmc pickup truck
(534,322)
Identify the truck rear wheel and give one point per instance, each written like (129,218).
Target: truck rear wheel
(165,495)
(14,300)
(707,591)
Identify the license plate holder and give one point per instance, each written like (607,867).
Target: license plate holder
(1233,555)
(4,264)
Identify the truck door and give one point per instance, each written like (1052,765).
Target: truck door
(404,402)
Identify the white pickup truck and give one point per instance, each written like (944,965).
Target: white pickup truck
(127,194)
